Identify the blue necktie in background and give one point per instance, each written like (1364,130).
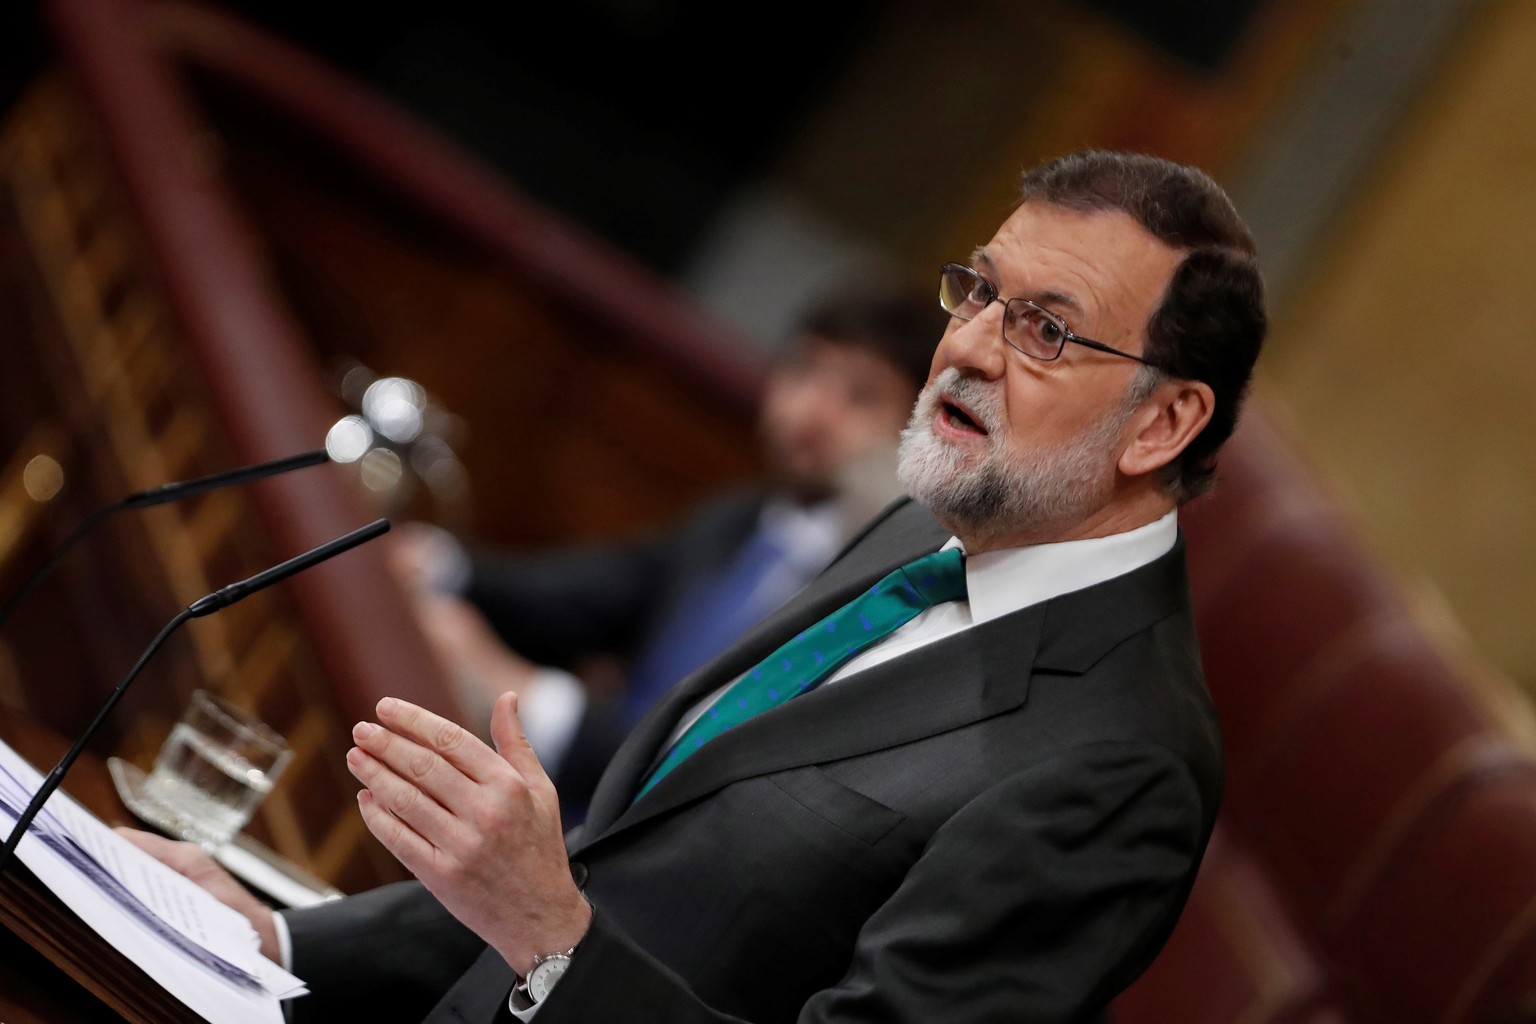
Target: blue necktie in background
(820,650)
(704,623)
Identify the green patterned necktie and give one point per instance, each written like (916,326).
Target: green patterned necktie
(816,653)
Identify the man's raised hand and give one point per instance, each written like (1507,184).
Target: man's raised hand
(479,827)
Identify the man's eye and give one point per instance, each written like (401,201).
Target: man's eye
(1033,322)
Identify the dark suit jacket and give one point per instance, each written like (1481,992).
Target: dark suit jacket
(612,599)
(1000,826)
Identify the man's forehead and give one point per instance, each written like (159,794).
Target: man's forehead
(982,260)
(1076,259)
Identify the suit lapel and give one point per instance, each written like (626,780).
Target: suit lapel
(937,688)
(1080,626)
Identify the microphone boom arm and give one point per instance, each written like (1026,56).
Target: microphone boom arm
(221,598)
(159,496)
(56,777)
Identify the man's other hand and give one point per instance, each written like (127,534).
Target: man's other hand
(190,861)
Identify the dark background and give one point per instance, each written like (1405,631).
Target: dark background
(637,118)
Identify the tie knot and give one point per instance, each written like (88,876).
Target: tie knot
(939,576)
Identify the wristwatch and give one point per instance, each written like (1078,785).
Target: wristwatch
(546,971)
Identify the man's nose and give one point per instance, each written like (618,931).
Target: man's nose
(977,344)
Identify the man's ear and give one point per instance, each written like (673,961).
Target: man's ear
(1166,423)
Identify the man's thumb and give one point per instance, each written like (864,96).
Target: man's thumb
(507,733)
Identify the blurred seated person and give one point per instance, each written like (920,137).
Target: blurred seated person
(833,407)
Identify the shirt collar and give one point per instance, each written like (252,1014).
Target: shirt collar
(999,582)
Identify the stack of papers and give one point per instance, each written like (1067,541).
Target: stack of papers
(199,951)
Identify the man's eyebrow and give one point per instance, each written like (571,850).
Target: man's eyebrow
(981,260)
(1050,300)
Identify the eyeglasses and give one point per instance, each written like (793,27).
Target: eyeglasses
(1027,327)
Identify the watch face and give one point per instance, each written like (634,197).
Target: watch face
(544,975)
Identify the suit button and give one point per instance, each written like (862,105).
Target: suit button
(579,874)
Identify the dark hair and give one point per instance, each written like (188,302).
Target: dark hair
(897,323)
(1211,323)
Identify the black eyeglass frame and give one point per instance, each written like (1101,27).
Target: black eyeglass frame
(1066,331)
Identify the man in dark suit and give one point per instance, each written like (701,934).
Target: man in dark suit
(833,406)
(989,806)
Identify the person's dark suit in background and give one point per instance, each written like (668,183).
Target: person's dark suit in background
(833,406)
(993,813)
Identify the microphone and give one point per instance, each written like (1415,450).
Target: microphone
(159,496)
(221,598)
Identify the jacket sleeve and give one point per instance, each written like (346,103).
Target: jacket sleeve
(1038,901)
(387,954)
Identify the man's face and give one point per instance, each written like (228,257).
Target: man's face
(827,406)
(1010,449)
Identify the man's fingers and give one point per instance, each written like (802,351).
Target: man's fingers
(402,797)
(421,766)
(150,843)
(409,848)
(455,744)
(184,858)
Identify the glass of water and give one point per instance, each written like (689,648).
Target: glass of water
(214,769)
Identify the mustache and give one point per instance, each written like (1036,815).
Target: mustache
(980,399)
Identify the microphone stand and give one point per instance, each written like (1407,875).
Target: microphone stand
(221,598)
(56,777)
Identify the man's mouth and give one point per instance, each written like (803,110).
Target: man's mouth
(959,417)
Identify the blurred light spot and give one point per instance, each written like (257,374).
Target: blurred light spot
(394,407)
(381,469)
(43,478)
(348,439)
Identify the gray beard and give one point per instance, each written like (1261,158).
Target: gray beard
(1010,491)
